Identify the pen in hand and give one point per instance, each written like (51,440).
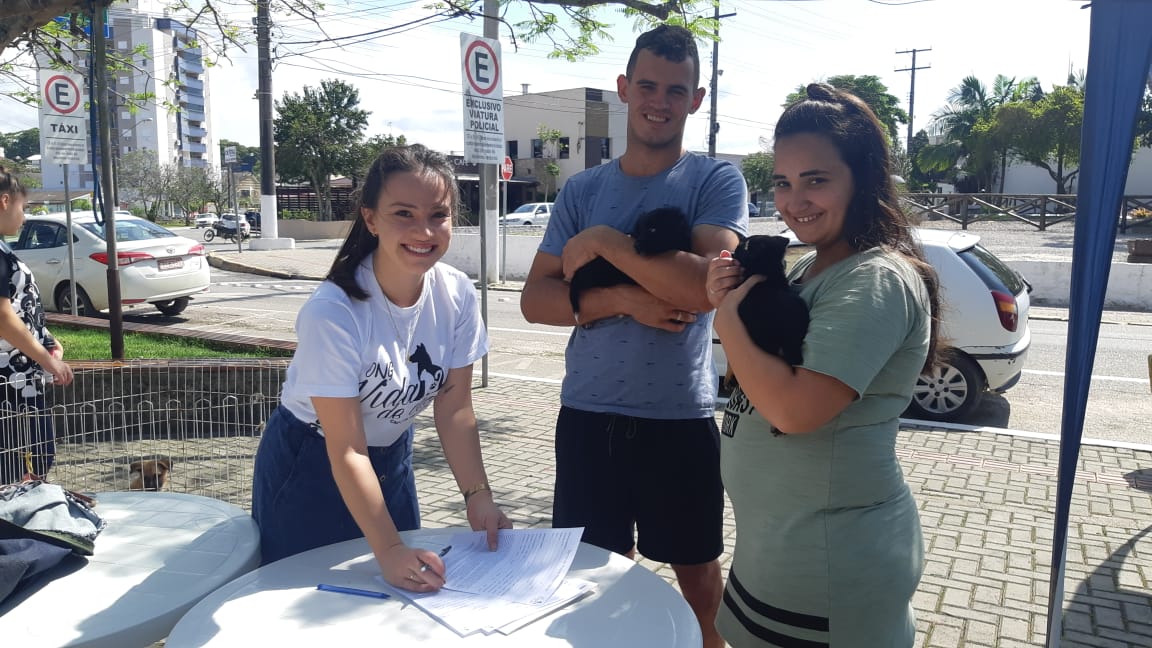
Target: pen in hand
(443,552)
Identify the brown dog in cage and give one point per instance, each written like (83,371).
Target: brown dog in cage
(149,474)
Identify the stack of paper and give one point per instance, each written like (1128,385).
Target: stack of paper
(504,590)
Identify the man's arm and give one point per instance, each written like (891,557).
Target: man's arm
(545,300)
(675,277)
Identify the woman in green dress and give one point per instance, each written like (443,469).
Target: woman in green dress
(828,543)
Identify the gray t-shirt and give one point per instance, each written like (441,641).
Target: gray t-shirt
(618,365)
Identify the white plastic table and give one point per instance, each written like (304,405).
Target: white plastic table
(158,556)
(278,605)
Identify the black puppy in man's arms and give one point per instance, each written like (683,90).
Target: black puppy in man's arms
(661,230)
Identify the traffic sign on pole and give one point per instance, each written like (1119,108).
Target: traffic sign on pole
(483,100)
(63,129)
(506,169)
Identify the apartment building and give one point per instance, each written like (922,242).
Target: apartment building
(176,124)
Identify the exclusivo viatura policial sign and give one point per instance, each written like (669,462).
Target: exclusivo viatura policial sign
(483,100)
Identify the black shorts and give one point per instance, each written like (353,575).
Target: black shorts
(623,478)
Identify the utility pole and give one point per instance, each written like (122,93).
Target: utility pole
(269,228)
(912,90)
(100,63)
(713,125)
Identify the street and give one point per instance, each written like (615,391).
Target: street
(1119,404)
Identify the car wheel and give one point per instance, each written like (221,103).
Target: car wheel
(84,305)
(172,306)
(950,391)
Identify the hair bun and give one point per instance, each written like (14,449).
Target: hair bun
(821,92)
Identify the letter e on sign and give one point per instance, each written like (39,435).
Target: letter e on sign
(61,94)
(482,67)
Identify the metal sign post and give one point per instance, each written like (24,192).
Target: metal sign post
(484,137)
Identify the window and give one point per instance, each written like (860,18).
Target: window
(563,148)
(537,148)
(606,149)
(514,149)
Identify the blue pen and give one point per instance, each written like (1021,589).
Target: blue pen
(351,590)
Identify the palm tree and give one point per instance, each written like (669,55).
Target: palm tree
(962,128)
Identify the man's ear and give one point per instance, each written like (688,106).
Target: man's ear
(697,99)
(622,87)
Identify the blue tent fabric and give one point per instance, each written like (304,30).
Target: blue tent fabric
(1119,57)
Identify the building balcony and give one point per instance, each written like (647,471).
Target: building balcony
(192,86)
(193,115)
(193,147)
(192,67)
(196,131)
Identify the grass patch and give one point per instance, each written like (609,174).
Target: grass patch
(94,344)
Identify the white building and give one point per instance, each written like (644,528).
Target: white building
(176,123)
(1024,178)
(592,124)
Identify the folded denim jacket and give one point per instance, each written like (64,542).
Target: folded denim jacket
(38,510)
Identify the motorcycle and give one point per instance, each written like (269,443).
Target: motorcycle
(227,233)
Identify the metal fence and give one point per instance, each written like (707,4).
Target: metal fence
(203,417)
(1038,210)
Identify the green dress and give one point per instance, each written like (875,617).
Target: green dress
(828,543)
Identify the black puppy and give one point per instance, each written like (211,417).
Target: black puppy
(775,316)
(661,230)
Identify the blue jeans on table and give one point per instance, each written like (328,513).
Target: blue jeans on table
(295,501)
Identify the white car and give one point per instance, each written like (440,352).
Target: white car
(228,221)
(156,266)
(206,220)
(529,214)
(984,325)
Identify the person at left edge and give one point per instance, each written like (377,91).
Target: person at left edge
(389,332)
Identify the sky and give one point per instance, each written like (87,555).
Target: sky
(410,80)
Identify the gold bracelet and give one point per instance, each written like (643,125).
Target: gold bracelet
(482,486)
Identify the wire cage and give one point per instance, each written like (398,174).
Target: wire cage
(196,421)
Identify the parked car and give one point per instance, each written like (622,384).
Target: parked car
(206,220)
(984,326)
(228,222)
(156,266)
(529,214)
(753,210)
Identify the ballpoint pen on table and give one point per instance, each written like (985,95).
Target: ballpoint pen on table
(340,589)
(443,552)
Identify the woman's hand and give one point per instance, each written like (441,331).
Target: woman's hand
(724,274)
(61,372)
(483,514)
(401,566)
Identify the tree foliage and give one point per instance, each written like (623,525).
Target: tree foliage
(142,179)
(871,91)
(757,169)
(1045,133)
(367,151)
(317,135)
(550,145)
(21,145)
(192,188)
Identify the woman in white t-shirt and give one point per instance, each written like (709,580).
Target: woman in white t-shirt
(388,333)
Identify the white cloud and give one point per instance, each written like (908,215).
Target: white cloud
(411,80)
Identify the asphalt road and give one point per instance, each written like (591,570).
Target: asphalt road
(1119,406)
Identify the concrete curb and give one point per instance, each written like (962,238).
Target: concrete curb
(235,266)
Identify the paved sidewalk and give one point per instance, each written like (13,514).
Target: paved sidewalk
(986,502)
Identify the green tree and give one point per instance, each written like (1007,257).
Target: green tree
(550,145)
(142,179)
(757,169)
(192,188)
(317,135)
(971,149)
(1045,133)
(245,155)
(872,92)
(22,144)
(368,150)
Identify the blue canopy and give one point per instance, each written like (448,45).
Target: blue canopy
(1119,57)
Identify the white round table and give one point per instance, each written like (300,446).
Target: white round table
(279,605)
(158,556)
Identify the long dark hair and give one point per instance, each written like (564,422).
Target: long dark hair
(10,184)
(360,242)
(874,217)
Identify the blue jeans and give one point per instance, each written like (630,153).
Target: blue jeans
(25,426)
(295,500)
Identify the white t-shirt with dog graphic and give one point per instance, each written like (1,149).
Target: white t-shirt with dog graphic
(351,348)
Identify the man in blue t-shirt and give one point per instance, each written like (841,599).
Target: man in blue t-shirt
(637,449)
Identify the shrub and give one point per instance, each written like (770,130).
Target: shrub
(1140,212)
(296,214)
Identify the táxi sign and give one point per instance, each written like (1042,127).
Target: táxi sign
(63,129)
(483,100)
